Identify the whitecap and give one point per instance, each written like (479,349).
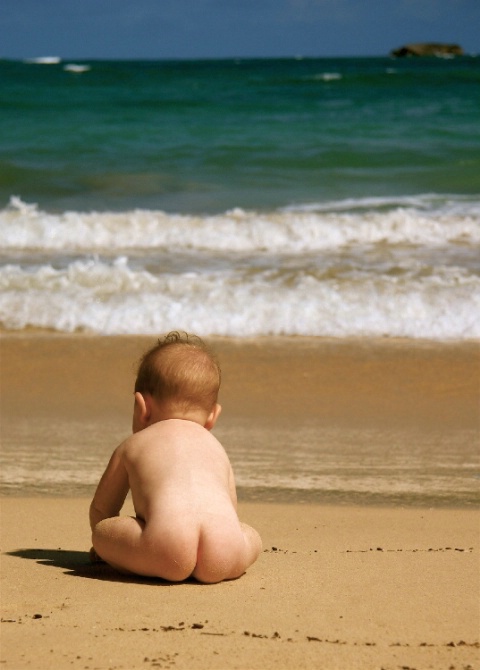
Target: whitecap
(44,60)
(305,228)
(76,68)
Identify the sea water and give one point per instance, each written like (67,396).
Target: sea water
(326,197)
(319,197)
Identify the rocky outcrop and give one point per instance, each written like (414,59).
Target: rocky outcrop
(428,49)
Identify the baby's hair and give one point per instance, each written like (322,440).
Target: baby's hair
(180,369)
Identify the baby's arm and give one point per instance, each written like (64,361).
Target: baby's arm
(111,491)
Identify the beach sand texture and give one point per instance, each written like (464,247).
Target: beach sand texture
(335,587)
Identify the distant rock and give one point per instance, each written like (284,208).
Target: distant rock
(428,49)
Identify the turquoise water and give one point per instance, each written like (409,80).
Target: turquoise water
(326,197)
(206,136)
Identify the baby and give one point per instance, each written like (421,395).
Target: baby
(182,484)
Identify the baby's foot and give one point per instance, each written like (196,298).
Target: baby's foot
(94,557)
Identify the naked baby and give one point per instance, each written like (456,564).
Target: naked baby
(180,477)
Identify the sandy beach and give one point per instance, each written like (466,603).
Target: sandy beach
(337,586)
(334,588)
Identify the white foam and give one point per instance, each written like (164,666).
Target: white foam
(374,267)
(324,76)
(76,68)
(328,76)
(112,298)
(44,60)
(309,228)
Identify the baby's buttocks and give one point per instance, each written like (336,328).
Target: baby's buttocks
(173,545)
(221,550)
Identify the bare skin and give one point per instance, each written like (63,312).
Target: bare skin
(184,497)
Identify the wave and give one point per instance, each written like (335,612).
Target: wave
(399,267)
(76,68)
(324,76)
(113,298)
(44,60)
(427,220)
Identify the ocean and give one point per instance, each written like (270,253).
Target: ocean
(242,198)
(325,197)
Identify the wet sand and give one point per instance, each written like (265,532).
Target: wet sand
(335,587)
(352,382)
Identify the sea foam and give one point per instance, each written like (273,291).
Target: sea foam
(306,228)
(376,269)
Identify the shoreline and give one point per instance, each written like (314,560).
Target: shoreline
(38,331)
(314,420)
(284,497)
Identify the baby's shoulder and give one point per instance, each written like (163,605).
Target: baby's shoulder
(133,444)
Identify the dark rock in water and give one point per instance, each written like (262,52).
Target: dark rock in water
(428,49)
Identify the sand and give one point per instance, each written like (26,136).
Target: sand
(354,382)
(335,587)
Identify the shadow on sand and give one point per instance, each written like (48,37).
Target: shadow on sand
(78,564)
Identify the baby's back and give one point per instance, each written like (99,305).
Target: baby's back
(177,467)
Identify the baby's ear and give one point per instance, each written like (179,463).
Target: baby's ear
(141,412)
(213,416)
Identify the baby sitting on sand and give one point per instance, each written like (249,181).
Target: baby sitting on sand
(181,480)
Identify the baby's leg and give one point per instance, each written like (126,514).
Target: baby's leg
(253,542)
(126,545)
(117,541)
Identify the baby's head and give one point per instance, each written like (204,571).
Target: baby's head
(178,378)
